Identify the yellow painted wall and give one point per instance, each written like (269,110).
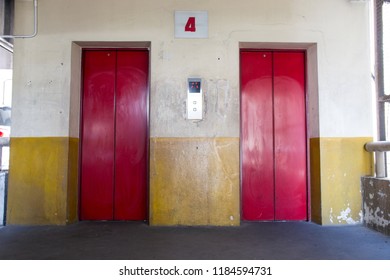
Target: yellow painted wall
(73,179)
(336,167)
(315,180)
(188,180)
(194,181)
(42,181)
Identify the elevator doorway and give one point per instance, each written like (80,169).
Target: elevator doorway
(114,135)
(273,135)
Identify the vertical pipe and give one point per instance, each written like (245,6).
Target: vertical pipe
(380,168)
(379,78)
(380,85)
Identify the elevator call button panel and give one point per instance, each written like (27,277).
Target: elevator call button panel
(194,99)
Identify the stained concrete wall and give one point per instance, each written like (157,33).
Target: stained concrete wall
(339,29)
(376,203)
(46,102)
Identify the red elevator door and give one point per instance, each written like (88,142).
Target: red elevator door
(273,135)
(114,135)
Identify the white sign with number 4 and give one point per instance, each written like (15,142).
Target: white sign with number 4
(191,24)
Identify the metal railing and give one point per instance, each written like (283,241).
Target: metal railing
(379,148)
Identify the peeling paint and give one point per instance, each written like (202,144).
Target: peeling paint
(344,216)
(381,194)
(331,216)
(371,217)
(376,206)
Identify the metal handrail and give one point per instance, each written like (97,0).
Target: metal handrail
(379,148)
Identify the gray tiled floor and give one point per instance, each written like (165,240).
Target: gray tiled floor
(133,240)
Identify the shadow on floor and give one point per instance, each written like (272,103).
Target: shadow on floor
(138,241)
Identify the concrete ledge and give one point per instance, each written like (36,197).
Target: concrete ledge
(376,203)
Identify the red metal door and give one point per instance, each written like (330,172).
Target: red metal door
(257,130)
(97,158)
(273,139)
(114,135)
(131,135)
(290,136)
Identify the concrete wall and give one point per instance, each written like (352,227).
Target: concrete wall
(376,203)
(46,101)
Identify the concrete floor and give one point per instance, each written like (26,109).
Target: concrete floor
(134,240)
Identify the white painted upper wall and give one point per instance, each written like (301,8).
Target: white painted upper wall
(45,87)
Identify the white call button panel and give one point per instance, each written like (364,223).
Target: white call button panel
(194,99)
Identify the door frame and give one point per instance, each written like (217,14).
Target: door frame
(76,105)
(311,107)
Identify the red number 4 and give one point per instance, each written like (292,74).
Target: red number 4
(190,25)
